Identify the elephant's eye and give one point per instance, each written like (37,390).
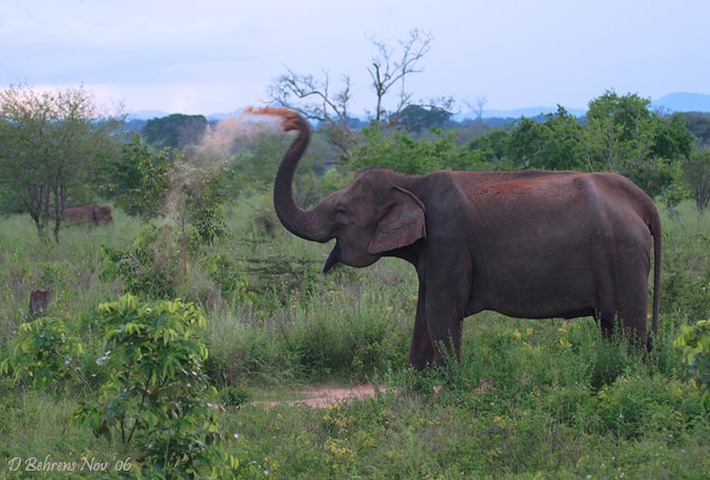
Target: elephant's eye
(340,215)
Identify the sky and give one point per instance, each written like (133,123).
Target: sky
(218,56)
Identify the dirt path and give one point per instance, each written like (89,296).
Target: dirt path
(326,396)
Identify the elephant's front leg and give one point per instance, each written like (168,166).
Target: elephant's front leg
(421,351)
(446,277)
(445,320)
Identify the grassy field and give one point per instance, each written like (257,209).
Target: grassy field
(531,399)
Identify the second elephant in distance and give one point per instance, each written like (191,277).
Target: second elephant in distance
(91,215)
(529,244)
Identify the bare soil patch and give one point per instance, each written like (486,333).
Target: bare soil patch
(323,397)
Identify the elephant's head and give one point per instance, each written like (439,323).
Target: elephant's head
(372,217)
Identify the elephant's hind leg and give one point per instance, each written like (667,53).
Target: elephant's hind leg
(630,323)
(632,303)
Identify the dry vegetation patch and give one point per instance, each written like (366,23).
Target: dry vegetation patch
(325,396)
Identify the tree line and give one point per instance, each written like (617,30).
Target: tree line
(60,148)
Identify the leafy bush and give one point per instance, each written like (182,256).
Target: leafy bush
(45,353)
(695,342)
(638,405)
(364,339)
(157,395)
(234,396)
(151,269)
(403,153)
(226,273)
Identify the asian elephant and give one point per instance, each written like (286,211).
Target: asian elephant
(528,244)
(91,215)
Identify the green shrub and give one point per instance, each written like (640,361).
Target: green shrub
(636,405)
(240,350)
(157,396)
(403,153)
(52,275)
(695,342)
(356,342)
(151,269)
(46,354)
(234,396)
(225,272)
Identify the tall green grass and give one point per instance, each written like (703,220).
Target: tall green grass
(523,404)
(530,399)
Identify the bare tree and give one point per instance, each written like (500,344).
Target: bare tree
(316,99)
(477,107)
(388,72)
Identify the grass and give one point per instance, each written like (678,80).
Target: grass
(522,406)
(531,399)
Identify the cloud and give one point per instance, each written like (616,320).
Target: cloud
(218,55)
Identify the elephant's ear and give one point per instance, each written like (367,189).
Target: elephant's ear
(402,224)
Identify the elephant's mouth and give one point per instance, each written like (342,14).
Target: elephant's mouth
(332,258)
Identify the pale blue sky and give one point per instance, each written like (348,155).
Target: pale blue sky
(214,56)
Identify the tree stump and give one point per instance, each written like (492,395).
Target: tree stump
(39,303)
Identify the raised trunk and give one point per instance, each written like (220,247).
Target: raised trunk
(302,223)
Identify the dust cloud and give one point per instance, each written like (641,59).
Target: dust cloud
(213,155)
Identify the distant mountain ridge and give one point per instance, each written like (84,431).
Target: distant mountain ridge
(152,114)
(147,115)
(683,102)
(673,102)
(528,112)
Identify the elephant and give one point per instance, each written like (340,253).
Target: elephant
(528,244)
(87,214)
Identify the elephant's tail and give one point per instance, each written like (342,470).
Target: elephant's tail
(654,224)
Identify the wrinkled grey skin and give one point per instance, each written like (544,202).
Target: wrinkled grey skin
(529,244)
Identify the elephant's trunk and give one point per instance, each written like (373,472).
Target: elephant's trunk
(298,221)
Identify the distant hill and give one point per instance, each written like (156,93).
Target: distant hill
(683,102)
(516,114)
(675,102)
(529,112)
(221,116)
(153,114)
(147,115)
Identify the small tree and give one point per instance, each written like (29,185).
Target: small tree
(620,130)
(416,118)
(697,175)
(164,184)
(51,142)
(623,135)
(157,397)
(554,144)
(314,99)
(403,153)
(143,181)
(177,130)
